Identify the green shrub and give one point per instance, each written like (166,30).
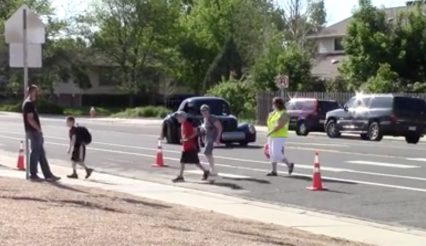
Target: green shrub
(46,107)
(240,94)
(146,112)
(11,107)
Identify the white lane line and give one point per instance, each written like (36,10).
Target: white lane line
(382,164)
(319,144)
(417,159)
(247,168)
(225,175)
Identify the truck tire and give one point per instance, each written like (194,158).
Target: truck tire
(331,129)
(412,139)
(302,129)
(375,131)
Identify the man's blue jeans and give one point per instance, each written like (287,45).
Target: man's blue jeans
(38,155)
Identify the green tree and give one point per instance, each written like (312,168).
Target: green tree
(137,36)
(367,43)
(228,61)
(209,24)
(281,58)
(386,81)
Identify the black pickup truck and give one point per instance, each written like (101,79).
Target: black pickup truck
(232,131)
(374,116)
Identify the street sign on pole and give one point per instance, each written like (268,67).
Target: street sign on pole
(35,29)
(282,82)
(25,32)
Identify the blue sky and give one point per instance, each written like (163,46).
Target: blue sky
(336,9)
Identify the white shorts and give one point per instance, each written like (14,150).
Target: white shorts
(276,149)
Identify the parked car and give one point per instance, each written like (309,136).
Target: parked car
(374,116)
(308,114)
(232,131)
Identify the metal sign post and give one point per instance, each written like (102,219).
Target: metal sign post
(25,32)
(25,57)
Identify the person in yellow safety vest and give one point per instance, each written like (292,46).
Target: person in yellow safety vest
(278,121)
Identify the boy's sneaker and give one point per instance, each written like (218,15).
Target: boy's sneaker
(52,179)
(206,175)
(89,172)
(179,179)
(272,174)
(73,176)
(291,168)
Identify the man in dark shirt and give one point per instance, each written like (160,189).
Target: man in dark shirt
(34,133)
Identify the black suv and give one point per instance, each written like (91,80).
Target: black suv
(373,116)
(232,131)
(308,114)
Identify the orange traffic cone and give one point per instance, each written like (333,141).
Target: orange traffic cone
(159,160)
(20,165)
(316,177)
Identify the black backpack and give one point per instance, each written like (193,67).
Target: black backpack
(83,135)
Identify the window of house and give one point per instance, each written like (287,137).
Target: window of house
(338,46)
(107,76)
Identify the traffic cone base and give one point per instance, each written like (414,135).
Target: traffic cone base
(159,160)
(316,176)
(20,163)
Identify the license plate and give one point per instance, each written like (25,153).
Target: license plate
(412,128)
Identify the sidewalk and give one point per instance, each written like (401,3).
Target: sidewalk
(313,222)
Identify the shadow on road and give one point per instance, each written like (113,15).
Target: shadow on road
(224,184)
(259,181)
(323,179)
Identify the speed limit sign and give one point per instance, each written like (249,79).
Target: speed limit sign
(282,81)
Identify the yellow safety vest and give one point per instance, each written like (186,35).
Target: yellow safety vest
(273,121)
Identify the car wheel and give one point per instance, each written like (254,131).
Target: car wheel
(171,135)
(412,139)
(364,136)
(302,129)
(244,144)
(331,129)
(375,132)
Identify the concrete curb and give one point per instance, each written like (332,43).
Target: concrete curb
(313,222)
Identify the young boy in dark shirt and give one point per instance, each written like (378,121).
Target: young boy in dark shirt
(77,149)
(189,147)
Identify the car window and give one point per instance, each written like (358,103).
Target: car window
(351,103)
(217,107)
(381,102)
(305,105)
(409,104)
(326,106)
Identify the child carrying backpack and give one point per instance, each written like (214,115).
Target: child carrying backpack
(79,138)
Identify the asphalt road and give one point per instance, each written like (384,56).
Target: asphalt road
(378,181)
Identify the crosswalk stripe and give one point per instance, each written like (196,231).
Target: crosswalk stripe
(417,159)
(383,164)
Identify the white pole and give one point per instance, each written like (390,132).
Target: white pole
(27,152)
